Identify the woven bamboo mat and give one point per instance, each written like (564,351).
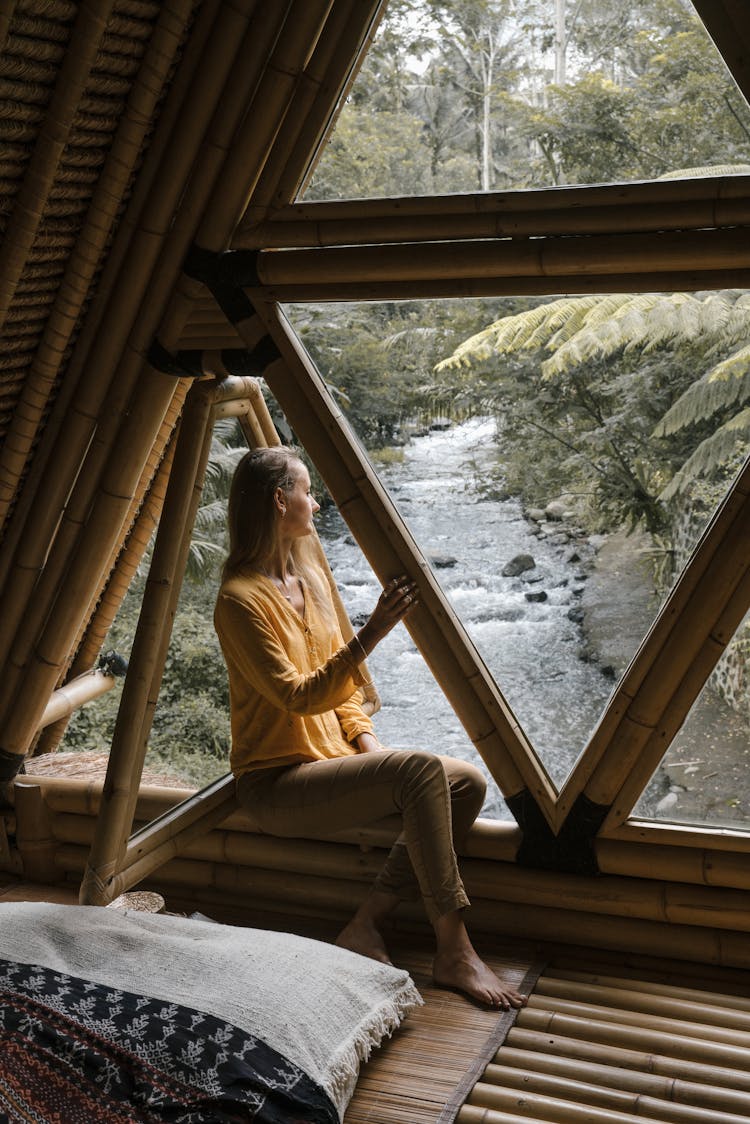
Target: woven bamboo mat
(424,1073)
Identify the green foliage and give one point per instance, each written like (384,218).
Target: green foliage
(493,94)
(190,732)
(579,334)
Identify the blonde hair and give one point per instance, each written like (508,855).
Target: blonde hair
(251,517)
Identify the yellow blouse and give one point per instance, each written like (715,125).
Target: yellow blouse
(293,684)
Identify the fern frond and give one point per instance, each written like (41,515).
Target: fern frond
(524,330)
(726,385)
(708,170)
(711,454)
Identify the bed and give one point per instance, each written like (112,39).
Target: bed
(117,1016)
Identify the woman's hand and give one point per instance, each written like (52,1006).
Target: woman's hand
(397,599)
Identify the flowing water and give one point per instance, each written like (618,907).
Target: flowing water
(444,490)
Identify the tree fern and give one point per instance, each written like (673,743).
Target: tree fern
(714,453)
(724,387)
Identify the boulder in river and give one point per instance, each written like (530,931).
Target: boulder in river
(442,561)
(540,596)
(518,565)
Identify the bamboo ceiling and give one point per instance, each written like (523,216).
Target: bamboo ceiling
(141,142)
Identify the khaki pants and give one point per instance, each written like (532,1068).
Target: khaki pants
(438,799)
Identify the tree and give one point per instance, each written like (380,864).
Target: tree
(656,426)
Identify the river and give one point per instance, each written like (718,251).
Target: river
(444,490)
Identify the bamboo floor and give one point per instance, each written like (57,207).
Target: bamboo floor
(605,1039)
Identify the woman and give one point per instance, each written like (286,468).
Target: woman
(304,753)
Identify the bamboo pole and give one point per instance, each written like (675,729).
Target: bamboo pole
(330,71)
(390,549)
(577,1100)
(399,218)
(670,863)
(130,739)
(25,218)
(709,1081)
(103,610)
(684,1041)
(245,887)
(251,147)
(548,257)
(75,694)
(542,285)
(287,230)
(707,1034)
(634,1001)
(638,1079)
(90,244)
(36,843)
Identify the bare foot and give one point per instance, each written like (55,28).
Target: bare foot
(362,937)
(467,973)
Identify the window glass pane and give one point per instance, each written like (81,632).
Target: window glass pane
(497,95)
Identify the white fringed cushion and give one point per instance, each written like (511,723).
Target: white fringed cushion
(318,1005)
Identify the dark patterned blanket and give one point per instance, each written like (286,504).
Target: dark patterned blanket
(76,1052)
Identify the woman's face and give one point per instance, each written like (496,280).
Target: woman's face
(300,505)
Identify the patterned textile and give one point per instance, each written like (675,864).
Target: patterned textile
(76,1052)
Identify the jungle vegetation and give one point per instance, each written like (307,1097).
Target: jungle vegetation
(630,405)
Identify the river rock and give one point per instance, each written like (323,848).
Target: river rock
(442,561)
(536,514)
(555,510)
(518,565)
(536,596)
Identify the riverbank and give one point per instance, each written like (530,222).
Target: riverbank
(704,777)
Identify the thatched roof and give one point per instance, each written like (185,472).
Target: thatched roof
(142,141)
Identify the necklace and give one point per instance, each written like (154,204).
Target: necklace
(279,583)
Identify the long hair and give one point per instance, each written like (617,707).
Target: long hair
(252,520)
(251,514)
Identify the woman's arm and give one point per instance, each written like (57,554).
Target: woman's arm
(256,654)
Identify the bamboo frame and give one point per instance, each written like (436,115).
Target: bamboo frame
(330,71)
(481,260)
(102,613)
(252,145)
(618,208)
(141,686)
(115,866)
(390,549)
